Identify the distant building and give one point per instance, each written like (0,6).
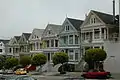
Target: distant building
(35,41)
(4,47)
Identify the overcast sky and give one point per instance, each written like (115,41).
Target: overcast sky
(18,16)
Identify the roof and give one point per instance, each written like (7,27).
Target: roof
(27,35)
(17,37)
(4,41)
(106,18)
(55,29)
(76,23)
(38,32)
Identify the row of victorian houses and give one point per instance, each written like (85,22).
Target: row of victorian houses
(74,36)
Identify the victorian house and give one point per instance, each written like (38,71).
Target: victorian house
(50,40)
(97,28)
(69,39)
(24,44)
(35,41)
(4,47)
(13,46)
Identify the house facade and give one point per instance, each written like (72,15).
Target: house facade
(24,44)
(35,41)
(97,28)
(4,47)
(69,39)
(13,47)
(50,43)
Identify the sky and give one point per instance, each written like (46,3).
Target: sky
(18,16)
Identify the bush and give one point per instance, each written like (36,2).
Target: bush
(94,56)
(11,62)
(25,60)
(39,59)
(60,57)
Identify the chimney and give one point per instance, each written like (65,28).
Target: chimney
(113,11)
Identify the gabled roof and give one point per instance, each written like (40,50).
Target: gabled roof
(17,37)
(4,41)
(38,32)
(54,28)
(76,23)
(106,18)
(27,35)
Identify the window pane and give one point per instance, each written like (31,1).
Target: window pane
(76,56)
(52,43)
(76,39)
(71,39)
(56,43)
(48,43)
(0,50)
(71,56)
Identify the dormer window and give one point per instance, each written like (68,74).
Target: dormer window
(66,28)
(49,32)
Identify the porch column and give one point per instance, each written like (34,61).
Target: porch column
(68,39)
(93,34)
(54,42)
(100,34)
(73,38)
(105,33)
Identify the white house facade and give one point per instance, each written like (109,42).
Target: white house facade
(4,47)
(35,41)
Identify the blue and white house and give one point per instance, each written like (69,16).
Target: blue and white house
(69,39)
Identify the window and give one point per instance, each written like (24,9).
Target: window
(76,39)
(49,32)
(102,47)
(37,44)
(76,56)
(92,20)
(0,50)
(67,28)
(71,39)
(96,34)
(96,47)
(65,39)
(47,43)
(56,43)
(52,43)
(71,51)
(71,56)
(0,44)
(10,50)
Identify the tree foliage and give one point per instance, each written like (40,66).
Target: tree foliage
(2,60)
(39,59)
(25,60)
(11,62)
(60,57)
(96,54)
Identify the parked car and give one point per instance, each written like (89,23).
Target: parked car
(30,67)
(96,75)
(21,71)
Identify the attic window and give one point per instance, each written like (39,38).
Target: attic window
(67,28)
(92,20)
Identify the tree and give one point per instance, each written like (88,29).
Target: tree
(60,57)
(25,60)
(11,62)
(94,56)
(2,60)
(39,59)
